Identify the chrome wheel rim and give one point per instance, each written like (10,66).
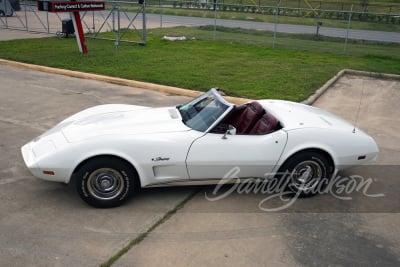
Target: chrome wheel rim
(306,175)
(105,183)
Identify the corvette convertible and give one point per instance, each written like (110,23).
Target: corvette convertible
(110,151)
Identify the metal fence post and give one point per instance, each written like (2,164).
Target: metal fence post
(47,21)
(119,22)
(161,17)
(144,36)
(93,23)
(348,29)
(215,19)
(26,17)
(113,17)
(276,23)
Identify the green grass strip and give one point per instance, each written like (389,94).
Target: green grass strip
(240,62)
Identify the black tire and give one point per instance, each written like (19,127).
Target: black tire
(307,173)
(2,14)
(106,182)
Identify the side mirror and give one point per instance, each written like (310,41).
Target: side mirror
(231,131)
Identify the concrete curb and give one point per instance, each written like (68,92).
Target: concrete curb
(373,74)
(333,80)
(322,90)
(115,80)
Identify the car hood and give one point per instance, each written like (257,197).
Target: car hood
(119,120)
(295,115)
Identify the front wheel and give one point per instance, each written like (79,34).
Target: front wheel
(307,173)
(106,182)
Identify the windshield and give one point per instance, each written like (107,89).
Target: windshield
(203,111)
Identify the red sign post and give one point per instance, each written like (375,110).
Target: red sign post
(75,7)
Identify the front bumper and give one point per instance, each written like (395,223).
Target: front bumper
(30,161)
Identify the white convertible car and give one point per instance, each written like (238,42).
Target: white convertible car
(112,150)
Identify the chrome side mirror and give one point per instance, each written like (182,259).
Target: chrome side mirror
(231,131)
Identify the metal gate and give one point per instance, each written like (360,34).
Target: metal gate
(114,23)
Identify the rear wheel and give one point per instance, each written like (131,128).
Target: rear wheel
(2,14)
(307,173)
(106,182)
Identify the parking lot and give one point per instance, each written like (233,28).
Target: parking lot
(46,224)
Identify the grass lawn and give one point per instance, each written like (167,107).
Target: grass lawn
(241,69)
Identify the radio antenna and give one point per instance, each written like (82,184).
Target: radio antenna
(359,106)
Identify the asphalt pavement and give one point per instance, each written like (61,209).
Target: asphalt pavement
(6,34)
(326,230)
(46,224)
(382,36)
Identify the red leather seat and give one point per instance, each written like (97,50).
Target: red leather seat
(265,125)
(249,114)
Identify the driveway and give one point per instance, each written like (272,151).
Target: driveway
(237,230)
(46,224)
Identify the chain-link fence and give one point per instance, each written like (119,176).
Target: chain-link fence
(121,21)
(293,7)
(291,24)
(335,27)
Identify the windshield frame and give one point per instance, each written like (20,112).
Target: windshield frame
(195,111)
